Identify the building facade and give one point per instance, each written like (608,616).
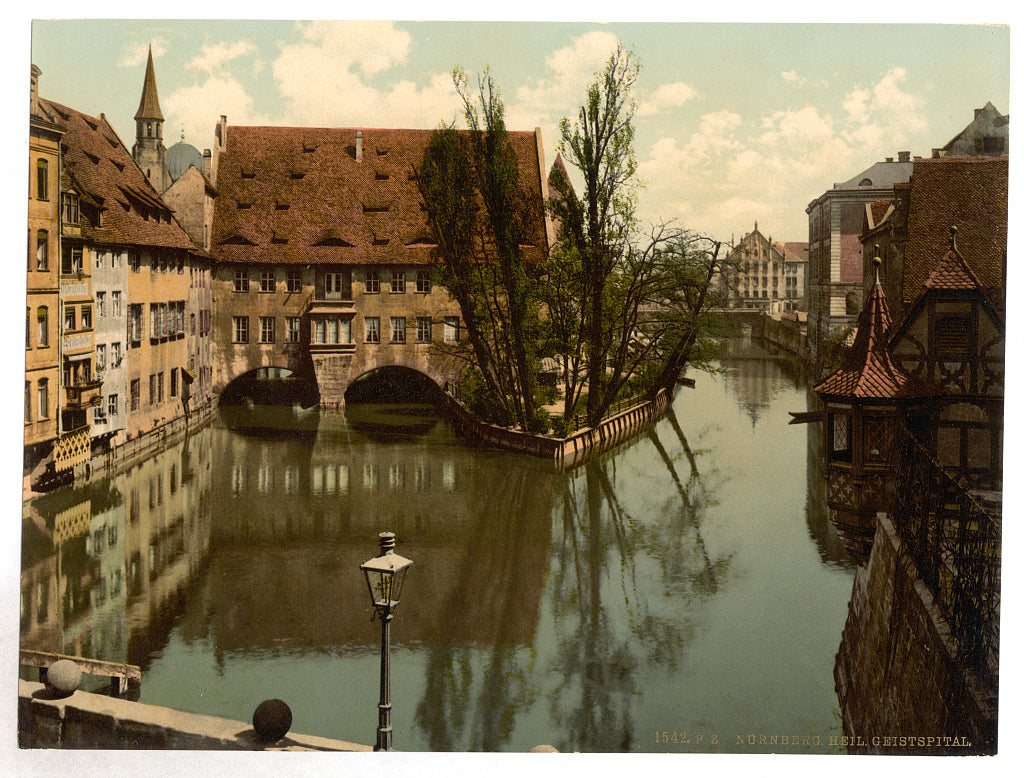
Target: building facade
(835,263)
(42,308)
(323,254)
(765,275)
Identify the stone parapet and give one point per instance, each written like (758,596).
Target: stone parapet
(91,721)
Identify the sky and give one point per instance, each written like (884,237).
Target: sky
(735,123)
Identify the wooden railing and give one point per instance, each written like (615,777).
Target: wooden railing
(121,674)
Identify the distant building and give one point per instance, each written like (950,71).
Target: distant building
(835,263)
(765,275)
(149,151)
(987,135)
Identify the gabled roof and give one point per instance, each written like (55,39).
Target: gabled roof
(149,103)
(796,251)
(299,195)
(868,372)
(102,170)
(970,192)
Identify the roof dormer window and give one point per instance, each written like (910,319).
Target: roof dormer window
(71,212)
(248,174)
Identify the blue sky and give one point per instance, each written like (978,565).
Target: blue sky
(736,122)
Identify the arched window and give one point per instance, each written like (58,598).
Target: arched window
(865,182)
(42,250)
(43,326)
(42,180)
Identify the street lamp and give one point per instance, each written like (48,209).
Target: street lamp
(385,577)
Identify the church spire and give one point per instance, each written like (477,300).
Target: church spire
(149,105)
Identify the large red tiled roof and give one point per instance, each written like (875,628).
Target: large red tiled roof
(105,174)
(298,195)
(795,251)
(868,371)
(969,192)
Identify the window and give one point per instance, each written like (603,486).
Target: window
(136,392)
(155,321)
(160,387)
(293,329)
(952,337)
(423,281)
(42,180)
(240,329)
(174,382)
(332,330)
(71,262)
(372,282)
(101,304)
(319,328)
(43,320)
(42,250)
(28,402)
(28,327)
(423,329)
(152,388)
(192,323)
(86,317)
(115,354)
(398,329)
(346,330)
(398,282)
(134,261)
(842,449)
(266,280)
(69,319)
(337,286)
(135,323)
(70,208)
(266,329)
(115,303)
(101,357)
(294,281)
(241,280)
(43,398)
(372,329)
(451,329)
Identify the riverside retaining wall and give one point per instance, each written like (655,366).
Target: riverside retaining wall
(565,452)
(86,720)
(900,689)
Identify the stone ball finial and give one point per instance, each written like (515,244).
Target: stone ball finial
(272,719)
(543,749)
(63,677)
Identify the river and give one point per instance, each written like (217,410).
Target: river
(686,593)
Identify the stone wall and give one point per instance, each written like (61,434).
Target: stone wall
(86,720)
(899,687)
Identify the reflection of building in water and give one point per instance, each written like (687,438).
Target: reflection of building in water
(760,379)
(100,564)
(292,524)
(830,546)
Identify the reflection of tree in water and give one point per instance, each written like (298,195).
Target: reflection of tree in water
(451,714)
(592,702)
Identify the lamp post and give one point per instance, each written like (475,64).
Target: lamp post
(385,577)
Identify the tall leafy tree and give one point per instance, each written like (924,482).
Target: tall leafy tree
(621,304)
(480,217)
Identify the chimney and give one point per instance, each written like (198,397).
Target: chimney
(904,156)
(359,145)
(888,159)
(978,112)
(936,153)
(207,162)
(34,105)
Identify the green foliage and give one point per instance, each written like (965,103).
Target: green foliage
(562,426)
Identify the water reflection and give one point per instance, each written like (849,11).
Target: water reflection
(587,609)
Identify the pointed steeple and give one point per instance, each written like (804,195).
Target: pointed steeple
(149,105)
(869,372)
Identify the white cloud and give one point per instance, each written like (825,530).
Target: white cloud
(135,54)
(322,79)
(571,70)
(216,56)
(196,109)
(888,106)
(665,97)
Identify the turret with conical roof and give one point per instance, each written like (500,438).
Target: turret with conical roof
(149,151)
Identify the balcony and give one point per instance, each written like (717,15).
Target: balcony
(83,394)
